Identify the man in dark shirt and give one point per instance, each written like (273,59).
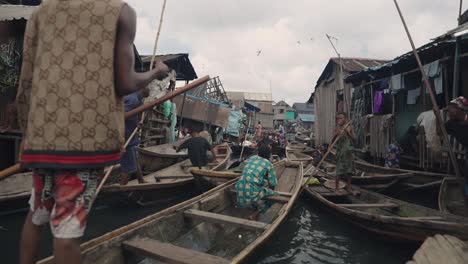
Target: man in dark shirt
(129,161)
(457,126)
(266,141)
(197,147)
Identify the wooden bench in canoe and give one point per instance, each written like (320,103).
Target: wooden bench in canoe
(388,217)
(205,229)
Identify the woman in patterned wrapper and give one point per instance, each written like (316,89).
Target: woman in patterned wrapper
(257,181)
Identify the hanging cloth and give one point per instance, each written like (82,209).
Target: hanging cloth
(378,101)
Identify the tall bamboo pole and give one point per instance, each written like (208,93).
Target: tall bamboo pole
(429,87)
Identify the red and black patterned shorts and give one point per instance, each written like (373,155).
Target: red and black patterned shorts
(63,198)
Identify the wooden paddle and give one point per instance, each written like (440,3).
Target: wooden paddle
(324,156)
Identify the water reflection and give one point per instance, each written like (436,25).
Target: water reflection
(311,235)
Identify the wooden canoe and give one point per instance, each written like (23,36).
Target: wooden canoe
(213,178)
(296,156)
(158,157)
(301,138)
(451,198)
(205,229)
(15,191)
(166,183)
(389,217)
(419,176)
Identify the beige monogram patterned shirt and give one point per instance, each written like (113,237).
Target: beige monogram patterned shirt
(67,106)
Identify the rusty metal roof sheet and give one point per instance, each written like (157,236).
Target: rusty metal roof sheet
(12,12)
(249,96)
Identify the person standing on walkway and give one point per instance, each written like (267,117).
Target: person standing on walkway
(344,151)
(77,65)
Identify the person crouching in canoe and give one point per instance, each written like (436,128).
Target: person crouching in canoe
(257,181)
(344,151)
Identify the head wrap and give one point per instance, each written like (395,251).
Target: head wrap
(461,102)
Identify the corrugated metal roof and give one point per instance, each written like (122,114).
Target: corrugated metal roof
(307,117)
(451,33)
(179,62)
(11,12)
(249,96)
(350,65)
(357,64)
(303,107)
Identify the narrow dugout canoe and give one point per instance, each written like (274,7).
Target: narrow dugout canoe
(302,138)
(419,176)
(389,217)
(166,183)
(205,229)
(451,198)
(15,191)
(158,157)
(296,156)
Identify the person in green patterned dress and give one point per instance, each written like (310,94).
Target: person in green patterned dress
(257,181)
(344,151)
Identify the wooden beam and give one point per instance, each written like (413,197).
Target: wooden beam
(276,199)
(169,253)
(173,177)
(225,219)
(382,205)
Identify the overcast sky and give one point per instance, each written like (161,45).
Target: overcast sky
(251,44)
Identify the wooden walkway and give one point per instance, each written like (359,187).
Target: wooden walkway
(441,249)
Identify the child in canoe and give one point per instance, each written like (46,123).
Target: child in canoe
(344,151)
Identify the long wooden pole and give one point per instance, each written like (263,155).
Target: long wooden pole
(243,142)
(316,168)
(429,87)
(9,171)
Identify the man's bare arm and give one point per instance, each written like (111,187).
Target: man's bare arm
(126,79)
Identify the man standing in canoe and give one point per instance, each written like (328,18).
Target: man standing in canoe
(257,181)
(259,130)
(457,126)
(344,151)
(197,147)
(129,163)
(77,65)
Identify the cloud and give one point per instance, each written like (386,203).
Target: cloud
(223,36)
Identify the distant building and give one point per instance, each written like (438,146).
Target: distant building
(283,112)
(304,114)
(263,101)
